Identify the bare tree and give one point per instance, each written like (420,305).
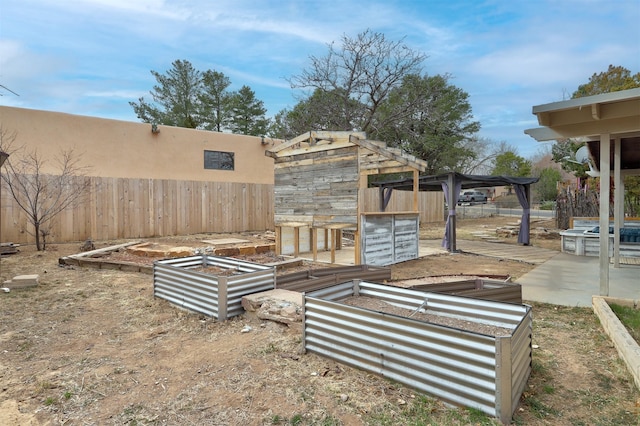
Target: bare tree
(360,74)
(40,195)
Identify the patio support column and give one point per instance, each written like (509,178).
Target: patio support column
(416,189)
(618,202)
(453,201)
(605,179)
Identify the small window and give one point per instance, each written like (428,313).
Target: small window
(218,160)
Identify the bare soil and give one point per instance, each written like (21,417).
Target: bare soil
(93,347)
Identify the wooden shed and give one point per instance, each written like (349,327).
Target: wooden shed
(319,179)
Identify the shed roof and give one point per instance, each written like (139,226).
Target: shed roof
(380,157)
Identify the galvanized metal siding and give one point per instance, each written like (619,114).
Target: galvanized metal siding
(406,232)
(241,285)
(311,280)
(388,238)
(468,308)
(521,358)
(188,289)
(377,240)
(483,289)
(457,366)
(216,296)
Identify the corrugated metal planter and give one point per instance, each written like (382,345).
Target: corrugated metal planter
(487,289)
(460,367)
(218,296)
(389,238)
(314,279)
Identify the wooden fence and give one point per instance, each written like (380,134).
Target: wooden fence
(117,208)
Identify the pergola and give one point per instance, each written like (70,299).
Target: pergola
(451,183)
(610,125)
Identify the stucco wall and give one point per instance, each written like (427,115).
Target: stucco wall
(123,149)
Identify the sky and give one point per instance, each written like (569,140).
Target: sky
(92,57)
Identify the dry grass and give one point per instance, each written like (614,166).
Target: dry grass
(94,347)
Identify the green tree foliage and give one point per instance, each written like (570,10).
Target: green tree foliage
(215,101)
(431,119)
(375,85)
(564,152)
(616,78)
(175,97)
(632,195)
(321,111)
(547,187)
(509,163)
(358,76)
(248,113)
(187,97)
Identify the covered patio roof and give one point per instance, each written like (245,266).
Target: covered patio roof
(610,125)
(586,119)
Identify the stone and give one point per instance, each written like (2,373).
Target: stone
(227,251)
(87,246)
(22,281)
(247,250)
(276,305)
(179,252)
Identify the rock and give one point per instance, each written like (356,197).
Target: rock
(344,397)
(22,281)
(246,329)
(87,246)
(276,305)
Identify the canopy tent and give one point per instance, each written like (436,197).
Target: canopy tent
(451,183)
(609,123)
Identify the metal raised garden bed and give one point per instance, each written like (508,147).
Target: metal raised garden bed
(218,296)
(458,366)
(315,279)
(499,291)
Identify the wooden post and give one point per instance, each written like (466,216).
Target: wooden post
(314,242)
(618,202)
(356,239)
(326,239)
(333,245)
(416,189)
(605,178)
(453,201)
(296,241)
(278,240)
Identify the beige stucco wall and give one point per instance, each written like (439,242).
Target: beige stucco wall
(114,148)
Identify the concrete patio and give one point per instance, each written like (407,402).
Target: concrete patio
(558,278)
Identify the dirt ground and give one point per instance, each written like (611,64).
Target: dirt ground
(93,347)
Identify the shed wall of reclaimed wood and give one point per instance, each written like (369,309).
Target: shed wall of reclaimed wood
(318,188)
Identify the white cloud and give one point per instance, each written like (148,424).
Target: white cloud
(93,56)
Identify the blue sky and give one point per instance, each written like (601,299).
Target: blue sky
(91,57)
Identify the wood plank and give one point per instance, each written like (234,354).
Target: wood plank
(103,250)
